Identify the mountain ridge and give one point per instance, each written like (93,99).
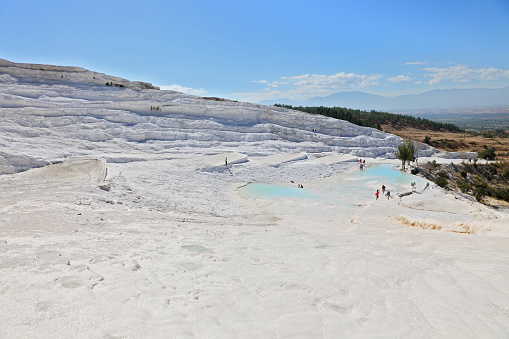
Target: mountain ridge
(455,98)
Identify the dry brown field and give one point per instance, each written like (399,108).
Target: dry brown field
(449,141)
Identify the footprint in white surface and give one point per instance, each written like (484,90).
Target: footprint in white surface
(190,266)
(71,281)
(94,280)
(86,278)
(177,301)
(50,257)
(196,249)
(100,258)
(131,264)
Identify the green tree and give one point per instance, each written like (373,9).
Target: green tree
(373,118)
(488,154)
(406,152)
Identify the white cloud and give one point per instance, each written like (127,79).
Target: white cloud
(304,86)
(261,81)
(400,78)
(335,81)
(463,73)
(273,84)
(415,63)
(187,90)
(492,73)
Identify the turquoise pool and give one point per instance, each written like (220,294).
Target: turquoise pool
(356,185)
(390,176)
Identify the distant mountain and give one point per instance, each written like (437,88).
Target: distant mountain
(453,98)
(356,99)
(435,99)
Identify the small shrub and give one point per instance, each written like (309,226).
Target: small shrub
(505,173)
(443,174)
(414,171)
(463,173)
(502,194)
(478,196)
(481,189)
(463,186)
(427,139)
(441,181)
(430,165)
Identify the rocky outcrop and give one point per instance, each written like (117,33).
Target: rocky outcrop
(37,73)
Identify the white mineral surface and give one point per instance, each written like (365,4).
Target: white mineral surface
(119,219)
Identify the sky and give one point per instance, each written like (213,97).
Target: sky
(266,50)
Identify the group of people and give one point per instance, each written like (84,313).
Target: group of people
(388,194)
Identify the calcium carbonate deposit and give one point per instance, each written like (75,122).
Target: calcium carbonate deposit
(122,216)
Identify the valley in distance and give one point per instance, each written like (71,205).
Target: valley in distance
(477,111)
(483,128)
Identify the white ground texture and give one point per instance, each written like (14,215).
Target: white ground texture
(119,219)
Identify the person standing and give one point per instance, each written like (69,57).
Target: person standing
(388,195)
(383,189)
(226,161)
(377,194)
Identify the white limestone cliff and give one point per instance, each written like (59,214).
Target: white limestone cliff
(55,105)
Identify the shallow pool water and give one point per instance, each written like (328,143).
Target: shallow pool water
(353,186)
(389,172)
(390,176)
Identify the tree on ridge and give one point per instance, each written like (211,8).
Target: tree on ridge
(406,152)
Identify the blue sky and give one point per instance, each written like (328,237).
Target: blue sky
(265,50)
